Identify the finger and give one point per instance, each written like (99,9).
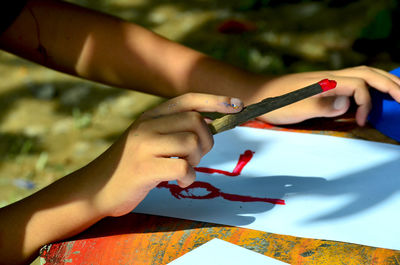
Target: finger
(363,100)
(351,87)
(177,169)
(184,122)
(362,114)
(197,102)
(185,145)
(331,106)
(359,89)
(376,78)
(393,91)
(393,77)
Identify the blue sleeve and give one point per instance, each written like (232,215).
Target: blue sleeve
(385,113)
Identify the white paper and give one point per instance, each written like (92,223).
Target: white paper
(219,252)
(334,188)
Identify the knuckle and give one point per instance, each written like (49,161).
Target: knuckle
(360,83)
(182,168)
(192,95)
(195,116)
(387,83)
(196,161)
(209,144)
(366,69)
(363,67)
(192,140)
(186,182)
(142,169)
(189,96)
(143,126)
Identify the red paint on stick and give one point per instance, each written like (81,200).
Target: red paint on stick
(243,160)
(327,84)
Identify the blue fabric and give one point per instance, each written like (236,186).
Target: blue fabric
(385,113)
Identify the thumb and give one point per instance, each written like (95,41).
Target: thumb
(327,106)
(339,106)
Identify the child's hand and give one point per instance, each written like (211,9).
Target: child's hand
(351,82)
(164,144)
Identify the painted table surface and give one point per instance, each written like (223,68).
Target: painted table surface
(147,239)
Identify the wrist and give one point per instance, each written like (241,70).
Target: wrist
(216,77)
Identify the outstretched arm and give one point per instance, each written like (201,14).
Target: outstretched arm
(103,48)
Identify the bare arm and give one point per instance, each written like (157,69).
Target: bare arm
(59,211)
(103,48)
(164,144)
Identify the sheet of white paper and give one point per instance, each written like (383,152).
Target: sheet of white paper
(219,252)
(334,188)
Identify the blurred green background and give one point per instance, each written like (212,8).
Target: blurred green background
(52,124)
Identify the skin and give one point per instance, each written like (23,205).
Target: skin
(352,82)
(164,143)
(105,49)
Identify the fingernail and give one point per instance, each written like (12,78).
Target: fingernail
(340,102)
(236,103)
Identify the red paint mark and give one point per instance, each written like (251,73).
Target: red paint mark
(213,192)
(233,26)
(327,84)
(243,160)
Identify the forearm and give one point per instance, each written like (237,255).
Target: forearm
(102,48)
(157,147)
(56,212)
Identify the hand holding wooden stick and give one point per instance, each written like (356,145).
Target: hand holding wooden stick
(230,121)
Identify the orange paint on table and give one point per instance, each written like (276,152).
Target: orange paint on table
(155,240)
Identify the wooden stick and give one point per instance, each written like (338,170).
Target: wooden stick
(230,121)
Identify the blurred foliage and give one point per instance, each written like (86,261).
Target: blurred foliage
(81,119)
(15,145)
(75,121)
(289,36)
(380,27)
